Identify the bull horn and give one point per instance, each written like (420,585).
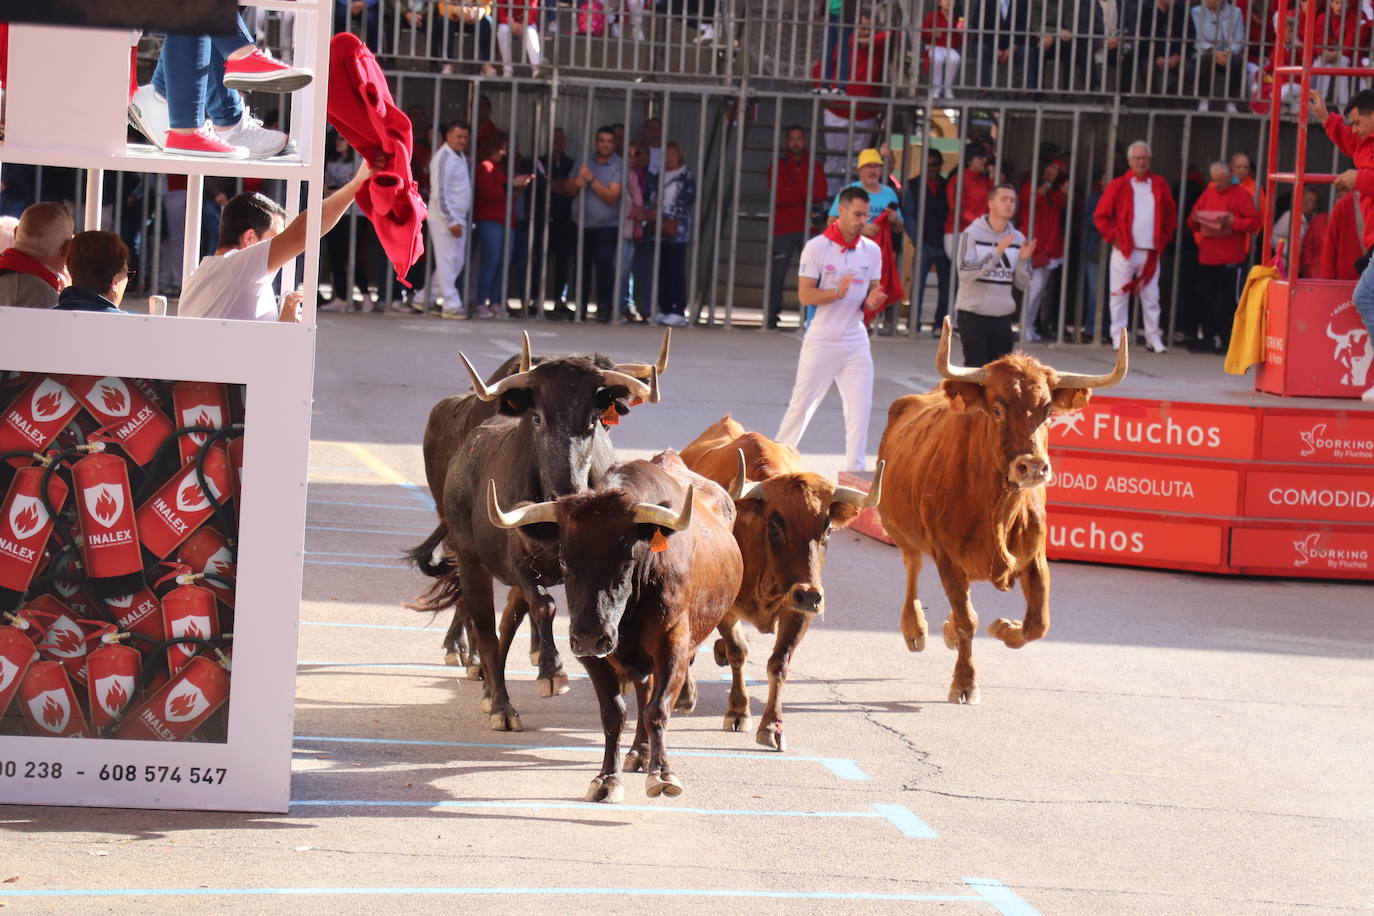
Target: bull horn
(526,358)
(654,394)
(643,370)
(1336,337)
(859,498)
(479,387)
(740,487)
(1075,380)
(955,373)
(653,514)
(638,389)
(526,515)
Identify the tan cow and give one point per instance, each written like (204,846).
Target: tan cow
(784,520)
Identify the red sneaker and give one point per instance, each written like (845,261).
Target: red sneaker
(203,143)
(260,72)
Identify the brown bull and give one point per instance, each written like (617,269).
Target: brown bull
(967,468)
(784,519)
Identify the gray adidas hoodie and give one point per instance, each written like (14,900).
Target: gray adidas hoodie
(985,277)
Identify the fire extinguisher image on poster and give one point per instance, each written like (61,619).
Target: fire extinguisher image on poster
(119,546)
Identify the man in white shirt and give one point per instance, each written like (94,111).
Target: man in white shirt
(254,243)
(841,274)
(450,202)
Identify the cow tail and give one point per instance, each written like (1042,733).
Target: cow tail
(445,590)
(422,557)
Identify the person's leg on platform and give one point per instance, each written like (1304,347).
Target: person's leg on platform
(1364,304)
(855,382)
(817,366)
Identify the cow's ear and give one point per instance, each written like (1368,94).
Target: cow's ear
(516,401)
(1070,399)
(963,395)
(841,514)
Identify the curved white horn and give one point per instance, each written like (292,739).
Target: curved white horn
(525,515)
(740,486)
(1076,380)
(526,358)
(956,373)
(855,497)
(642,370)
(479,387)
(637,388)
(653,514)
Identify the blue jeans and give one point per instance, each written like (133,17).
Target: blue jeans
(933,256)
(1364,298)
(492,239)
(837,34)
(1025,60)
(190,76)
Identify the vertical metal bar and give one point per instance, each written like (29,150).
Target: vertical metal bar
(918,196)
(775,175)
(536,135)
(95,179)
(1180,229)
(1070,223)
(589,147)
(619,268)
(159,192)
(957,207)
(508,230)
(719,216)
(190,252)
(741,126)
(1036,170)
(654,282)
(693,291)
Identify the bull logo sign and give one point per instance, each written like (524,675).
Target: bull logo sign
(105,503)
(1307,549)
(27,515)
(52,710)
(1065,423)
(112,397)
(185,703)
(51,399)
(1352,349)
(1309,439)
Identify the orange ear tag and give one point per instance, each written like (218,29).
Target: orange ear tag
(609,416)
(658,543)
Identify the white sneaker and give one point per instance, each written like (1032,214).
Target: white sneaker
(1368,396)
(708,33)
(148,115)
(1231,108)
(1155,345)
(249,133)
(673,320)
(639,33)
(1203,106)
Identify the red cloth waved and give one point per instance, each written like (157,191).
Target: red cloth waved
(1234,247)
(20,263)
(892,274)
(362,110)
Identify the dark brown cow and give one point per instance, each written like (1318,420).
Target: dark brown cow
(646,583)
(783,521)
(967,468)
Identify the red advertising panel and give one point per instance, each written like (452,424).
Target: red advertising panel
(1158,428)
(1150,484)
(1326,553)
(1129,539)
(1317,437)
(1315,343)
(1328,496)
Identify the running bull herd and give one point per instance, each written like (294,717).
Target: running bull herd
(655,554)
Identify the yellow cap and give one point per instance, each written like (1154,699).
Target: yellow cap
(870,157)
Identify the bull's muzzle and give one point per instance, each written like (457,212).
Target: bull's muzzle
(1030,471)
(597,645)
(808,599)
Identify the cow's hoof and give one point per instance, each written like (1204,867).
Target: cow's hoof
(951,634)
(474,672)
(668,785)
(635,759)
(451,659)
(685,705)
(718,650)
(1012,634)
(606,789)
(965,696)
(505,721)
(771,737)
(916,643)
(738,722)
(553,686)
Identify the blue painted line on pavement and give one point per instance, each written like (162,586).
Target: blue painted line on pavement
(310,562)
(839,766)
(1003,899)
(452,805)
(906,821)
(724,676)
(367,626)
(350,467)
(409,534)
(366,556)
(344,502)
(492,892)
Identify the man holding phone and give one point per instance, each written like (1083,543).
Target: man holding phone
(841,278)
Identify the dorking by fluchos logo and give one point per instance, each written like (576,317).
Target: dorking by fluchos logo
(1316,439)
(1311,551)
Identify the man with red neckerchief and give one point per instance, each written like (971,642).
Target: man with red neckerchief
(1137,216)
(841,274)
(32,273)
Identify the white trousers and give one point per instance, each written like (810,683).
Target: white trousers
(1323,84)
(842,152)
(1035,295)
(534,50)
(850,368)
(944,66)
(448,264)
(1123,270)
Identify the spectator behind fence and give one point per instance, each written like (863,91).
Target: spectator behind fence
(339,167)
(362,18)
(493,219)
(556,169)
(884,216)
(651,135)
(1089,251)
(1338,40)
(1218,41)
(1223,217)
(1051,200)
(800,189)
(850,125)
(976,180)
(1161,50)
(1313,228)
(1243,174)
(928,238)
(521,19)
(99,265)
(454,25)
(1356,140)
(32,273)
(1005,57)
(943,35)
(1137,217)
(598,179)
(450,205)
(1103,42)
(992,258)
(254,243)
(1342,246)
(641,189)
(678,189)
(836,49)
